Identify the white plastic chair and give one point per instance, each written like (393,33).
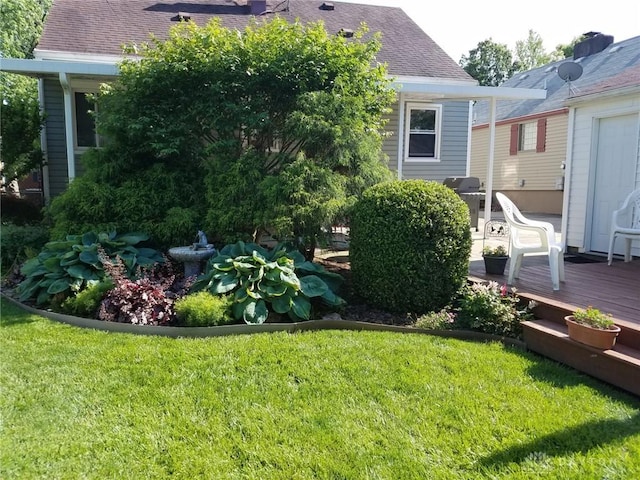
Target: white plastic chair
(522,244)
(625,223)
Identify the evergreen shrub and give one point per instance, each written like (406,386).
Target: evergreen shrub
(20,242)
(410,245)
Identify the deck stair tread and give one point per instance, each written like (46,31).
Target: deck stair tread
(619,366)
(620,351)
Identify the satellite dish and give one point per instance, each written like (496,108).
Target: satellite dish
(570,71)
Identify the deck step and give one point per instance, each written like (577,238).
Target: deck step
(619,366)
(555,312)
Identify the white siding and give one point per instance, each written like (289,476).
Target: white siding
(583,162)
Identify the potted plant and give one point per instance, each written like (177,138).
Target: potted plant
(593,328)
(495,259)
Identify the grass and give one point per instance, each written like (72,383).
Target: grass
(79,403)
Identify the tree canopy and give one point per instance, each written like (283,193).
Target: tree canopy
(22,22)
(277,126)
(530,53)
(490,63)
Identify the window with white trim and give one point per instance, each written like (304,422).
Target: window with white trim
(85,124)
(422,132)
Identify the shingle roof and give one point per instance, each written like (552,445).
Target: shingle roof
(598,70)
(628,78)
(101,27)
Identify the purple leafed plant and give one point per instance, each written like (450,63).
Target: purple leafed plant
(147,300)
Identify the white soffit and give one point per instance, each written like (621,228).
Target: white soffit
(466,90)
(51,67)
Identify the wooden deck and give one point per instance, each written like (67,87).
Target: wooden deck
(613,289)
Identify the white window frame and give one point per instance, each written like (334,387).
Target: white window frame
(528,136)
(98,139)
(437,132)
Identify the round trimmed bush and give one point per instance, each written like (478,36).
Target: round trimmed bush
(410,243)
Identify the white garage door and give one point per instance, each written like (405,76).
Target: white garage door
(616,165)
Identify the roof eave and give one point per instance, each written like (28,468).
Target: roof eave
(468,91)
(603,95)
(40,68)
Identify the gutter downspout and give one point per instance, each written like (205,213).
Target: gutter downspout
(568,164)
(401,134)
(492,146)
(68,125)
(46,192)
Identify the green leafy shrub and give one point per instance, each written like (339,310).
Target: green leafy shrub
(593,318)
(491,308)
(410,243)
(289,157)
(155,199)
(442,320)
(203,309)
(20,242)
(259,278)
(86,302)
(65,267)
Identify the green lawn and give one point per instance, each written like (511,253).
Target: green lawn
(78,403)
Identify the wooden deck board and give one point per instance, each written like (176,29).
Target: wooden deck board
(613,289)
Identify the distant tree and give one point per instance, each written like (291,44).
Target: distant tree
(22,22)
(530,53)
(563,51)
(489,63)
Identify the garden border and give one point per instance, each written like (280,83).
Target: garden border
(243,329)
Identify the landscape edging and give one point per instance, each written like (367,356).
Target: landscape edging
(241,329)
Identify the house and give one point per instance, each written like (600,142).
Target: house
(82,44)
(603,159)
(533,137)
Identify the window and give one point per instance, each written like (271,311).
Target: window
(528,137)
(86,135)
(422,139)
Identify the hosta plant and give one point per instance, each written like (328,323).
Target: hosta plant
(280,280)
(65,267)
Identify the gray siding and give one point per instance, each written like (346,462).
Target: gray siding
(453,148)
(390,143)
(56,147)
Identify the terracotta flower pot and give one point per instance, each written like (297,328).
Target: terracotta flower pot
(594,337)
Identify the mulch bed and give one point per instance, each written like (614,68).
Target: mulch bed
(357,309)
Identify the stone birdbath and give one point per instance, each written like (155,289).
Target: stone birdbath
(193,255)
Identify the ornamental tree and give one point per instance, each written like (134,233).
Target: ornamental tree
(22,22)
(277,126)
